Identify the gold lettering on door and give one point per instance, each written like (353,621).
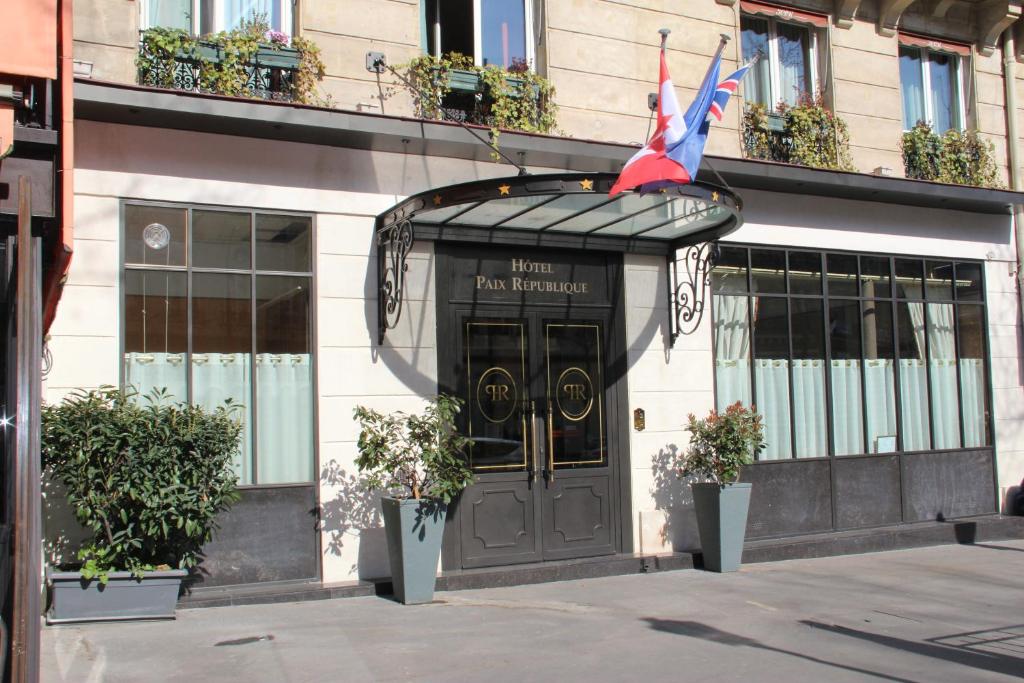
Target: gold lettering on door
(497,392)
(576,392)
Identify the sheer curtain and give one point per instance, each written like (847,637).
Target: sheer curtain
(794,76)
(170,14)
(284,417)
(911,87)
(942,361)
(217,377)
(914,381)
(234,12)
(732,350)
(145,372)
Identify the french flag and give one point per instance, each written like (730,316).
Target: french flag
(673,154)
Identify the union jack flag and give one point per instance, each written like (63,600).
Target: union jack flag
(725,89)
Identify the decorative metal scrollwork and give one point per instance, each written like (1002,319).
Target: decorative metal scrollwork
(47,361)
(688,287)
(393,244)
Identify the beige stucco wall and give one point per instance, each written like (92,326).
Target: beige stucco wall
(602,57)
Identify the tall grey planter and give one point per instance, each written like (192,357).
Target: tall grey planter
(125,597)
(722,522)
(414,529)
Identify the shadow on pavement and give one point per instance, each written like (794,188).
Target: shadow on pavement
(987,661)
(695,629)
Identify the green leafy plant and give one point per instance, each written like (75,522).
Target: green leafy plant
(515,98)
(956,157)
(414,455)
(722,443)
(172,58)
(812,135)
(146,478)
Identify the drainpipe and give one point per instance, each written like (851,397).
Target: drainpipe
(1013,147)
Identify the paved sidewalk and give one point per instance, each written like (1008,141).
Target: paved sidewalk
(947,613)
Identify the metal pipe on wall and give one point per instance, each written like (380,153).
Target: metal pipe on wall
(1013,149)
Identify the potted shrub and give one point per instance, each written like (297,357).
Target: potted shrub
(720,445)
(417,462)
(146,479)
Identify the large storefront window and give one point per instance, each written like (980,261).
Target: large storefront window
(880,354)
(217,307)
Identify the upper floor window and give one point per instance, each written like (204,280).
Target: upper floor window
(200,17)
(932,83)
(787,42)
(498,32)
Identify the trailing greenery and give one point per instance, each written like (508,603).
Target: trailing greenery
(507,99)
(162,49)
(146,478)
(957,157)
(414,455)
(812,136)
(722,443)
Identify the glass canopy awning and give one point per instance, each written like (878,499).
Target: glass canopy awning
(559,209)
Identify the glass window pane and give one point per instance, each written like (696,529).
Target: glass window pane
(495,391)
(170,14)
(221,239)
(730,271)
(939,280)
(847,408)
(968,281)
(944,91)
(911,86)
(154,235)
(804,272)
(503,33)
(972,376)
(283,243)
(754,37)
(732,350)
(794,70)
(909,279)
(284,380)
(942,361)
(768,271)
(913,377)
(575,389)
(879,376)
(156,332)
(875,276)
(842,275)
(811,431)
(222,349)
(234,12)
(771,375)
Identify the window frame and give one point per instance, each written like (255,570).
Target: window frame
(437,31)
(287,17)
(812,56)
(253,273)
(895,299)
(924,53)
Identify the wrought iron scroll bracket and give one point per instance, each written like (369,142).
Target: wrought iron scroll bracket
(393,244)
(688,280)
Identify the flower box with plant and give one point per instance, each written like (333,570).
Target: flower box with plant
(956,157)
(808,134)
(720,445)
(417,462)
(249,61)
(146,479)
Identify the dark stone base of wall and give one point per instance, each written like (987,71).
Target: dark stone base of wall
(963,531)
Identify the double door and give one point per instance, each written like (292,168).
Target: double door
(539,412)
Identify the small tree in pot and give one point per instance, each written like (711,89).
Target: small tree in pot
(146,479)
(720,445)
(417,461)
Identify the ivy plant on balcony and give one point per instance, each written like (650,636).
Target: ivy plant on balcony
(249,61)
(453,87)
(808,134)
(956,157)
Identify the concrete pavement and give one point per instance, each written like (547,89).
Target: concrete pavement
(946,613)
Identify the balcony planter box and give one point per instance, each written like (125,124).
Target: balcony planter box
(266,56)
(722,523)
(414,529)
(469,82)
(74,599)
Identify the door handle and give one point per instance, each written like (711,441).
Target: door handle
(534,465)
(551,445)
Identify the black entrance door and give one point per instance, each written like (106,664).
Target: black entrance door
(538,379)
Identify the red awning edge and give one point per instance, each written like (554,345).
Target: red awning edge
(935,44)
(784,13)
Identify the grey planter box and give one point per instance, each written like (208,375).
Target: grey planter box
(414,529)
(72,598)
(722,522)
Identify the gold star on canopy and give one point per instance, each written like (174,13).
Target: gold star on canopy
(714,196)
(586,184)
(504,190)
(437,200)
